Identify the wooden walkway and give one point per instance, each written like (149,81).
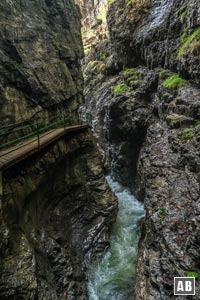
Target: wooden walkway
(12,155)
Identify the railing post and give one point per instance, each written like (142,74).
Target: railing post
(78,119)
(1,183)
(38,136)
(64,122)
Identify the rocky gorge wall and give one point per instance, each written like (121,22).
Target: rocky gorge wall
(55,218)
(142,86)
(56,208)
(40,52)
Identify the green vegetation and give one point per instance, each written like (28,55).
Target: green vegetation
(102,56)
(56,43)
(133,82)
(184,36)
(183,15)
(110,2)
(130,71)
(187,135)
(93,64)
(191,44)
(46,66)
(102,14)
(197,123)
(129,2)
(102,67)
(162,73)
(161,214)
(121,88)
(192,274)
(174,82)
(96,66)
(87,48)
(131,76)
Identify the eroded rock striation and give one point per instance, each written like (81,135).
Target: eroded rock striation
(142,86)
(56,208)
(56,213)
(40,52)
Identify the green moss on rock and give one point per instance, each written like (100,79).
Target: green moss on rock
(183,15)
(121,88)
(110,2)
(191,44)
(130,71)
(187,135)
(162,73)
(174,82)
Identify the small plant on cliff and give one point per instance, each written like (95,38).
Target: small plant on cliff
(121,88)
(174,82)
(46,66)
(162,73)
(191,44)
(186,135)
(56,41)
(133,82)
(102,55)
(93,64)
(130,71)
(197,123)
(192,274)
(110,2)
(183,15)
(161,214)
(102,67)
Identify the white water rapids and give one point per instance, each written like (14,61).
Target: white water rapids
(113,278)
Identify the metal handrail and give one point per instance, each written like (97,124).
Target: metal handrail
(23,127)
(60,120)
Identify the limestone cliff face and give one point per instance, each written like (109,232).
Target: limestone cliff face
(55,207)
(40,49)
(93,13)
(142,86)
(157,34)
(56,211)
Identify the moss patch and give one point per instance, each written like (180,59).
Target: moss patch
(183,15)
(174,82)
(191,44)
(161,214)
(162,73)
(187,135)
(121,88)
(192,274)
(197,123)
(110,2)
(129,72)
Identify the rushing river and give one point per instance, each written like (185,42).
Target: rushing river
(113,278)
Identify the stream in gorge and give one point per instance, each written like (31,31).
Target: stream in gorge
(113,278)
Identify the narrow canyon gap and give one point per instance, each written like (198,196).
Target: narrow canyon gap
(142,86)
(132,72)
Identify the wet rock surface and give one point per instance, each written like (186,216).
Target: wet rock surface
(56,213)
(152,142)
(145,99)
(56,208)
(40,54)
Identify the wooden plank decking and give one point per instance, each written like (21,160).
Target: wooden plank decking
(12,155)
